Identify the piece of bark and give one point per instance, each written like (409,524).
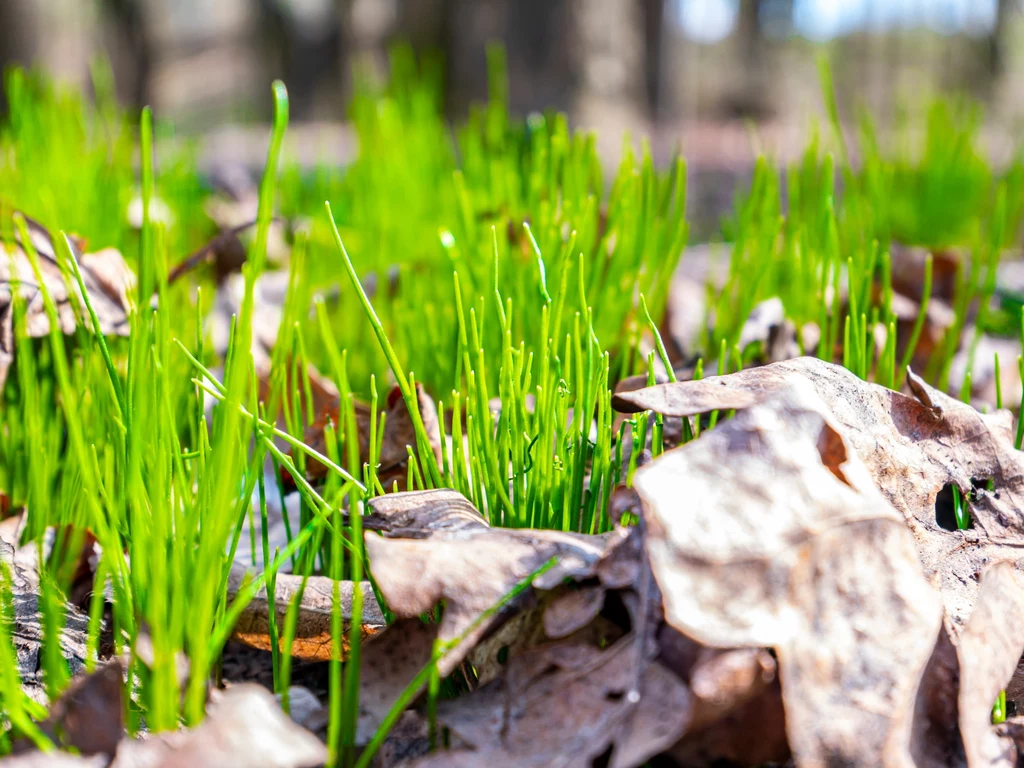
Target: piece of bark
(313,628)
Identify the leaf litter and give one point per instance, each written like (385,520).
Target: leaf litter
(792,592)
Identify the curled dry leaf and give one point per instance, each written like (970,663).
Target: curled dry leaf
(107,280)
(915,449)
(469,565)
(567,705)
(990,646)
(769,532)
(313,628)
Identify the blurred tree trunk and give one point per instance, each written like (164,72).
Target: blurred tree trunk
(997,38)
(751,100)
(654,25)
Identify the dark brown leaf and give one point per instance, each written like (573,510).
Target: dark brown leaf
(567,705)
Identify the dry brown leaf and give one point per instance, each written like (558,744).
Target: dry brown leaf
(313,628)
(245,726)
(990,646)
(469,567)
(88,715)
(777,336)
(389,663)
(399,435)
(572,611)
(106,277)
(768,532)
(908,267)
(751,735)
(566,706)
(915,449)
(418,514)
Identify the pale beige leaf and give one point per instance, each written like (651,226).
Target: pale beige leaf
(768,532)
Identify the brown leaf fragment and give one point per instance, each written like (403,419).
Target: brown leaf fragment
(399,436)
(724,680)
(244,727)
(915,450)
(990,646)
(753,734)
(88,715)
(567,705)
(313,629)
(388,665)
(304,708)
(107,281)
(935,739)
(572,611)
(769,546)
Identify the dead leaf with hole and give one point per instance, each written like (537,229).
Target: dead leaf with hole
(768,532)
(313,628)
(915,450)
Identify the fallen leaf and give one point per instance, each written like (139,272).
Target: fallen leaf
(572,611)
(769,532)
(470,567)
(313,628)
(388,665)
(908,267)
(244,727)
(88,715)
(107,281)
(567,705)
(990,646)
(915,450)
(399,435)
(419,514)
(224,251)
(775,337)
